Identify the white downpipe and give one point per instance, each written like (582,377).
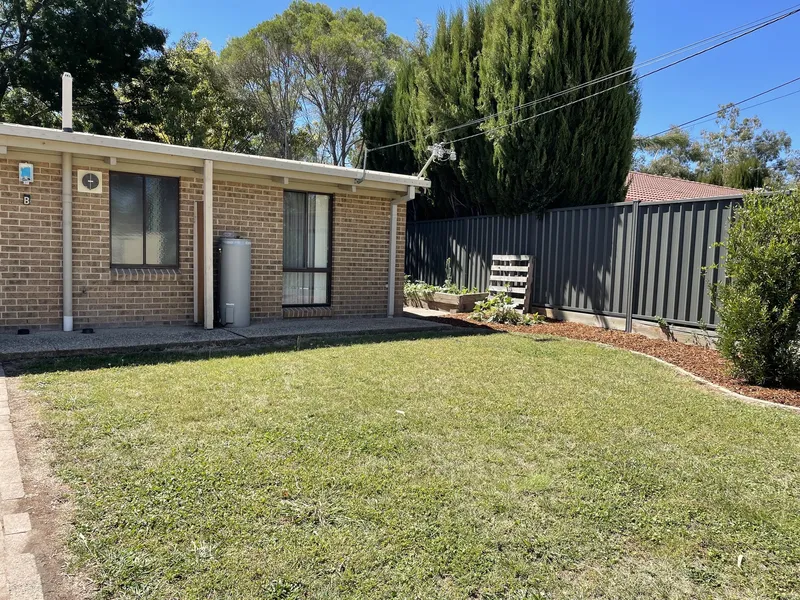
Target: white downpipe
(393,246)
(66,237)
(208,244)
(196,266)
(66,102)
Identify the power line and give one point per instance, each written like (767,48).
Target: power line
(759,24)
(777,87)
(744,108)
(637,78)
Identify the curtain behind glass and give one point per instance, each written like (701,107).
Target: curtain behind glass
(294,230)
(127,208)
(318,230)
(161,219)
(306,241)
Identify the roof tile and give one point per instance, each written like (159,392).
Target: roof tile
(653,188)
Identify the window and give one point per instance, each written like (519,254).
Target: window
(307,224)
(144,220)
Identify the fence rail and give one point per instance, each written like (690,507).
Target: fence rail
(635,260)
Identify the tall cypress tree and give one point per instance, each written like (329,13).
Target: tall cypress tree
(508,53)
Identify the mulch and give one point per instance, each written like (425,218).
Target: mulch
(703,362)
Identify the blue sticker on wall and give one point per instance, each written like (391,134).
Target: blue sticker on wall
(25,173)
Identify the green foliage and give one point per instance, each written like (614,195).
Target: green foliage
(102,43)
(182,97)
(418,290)
(312,64)
(739,154)
(500,308)
(490,58)
(759,304)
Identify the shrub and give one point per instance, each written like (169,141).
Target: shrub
(500,309)
(759,304)
(416,290)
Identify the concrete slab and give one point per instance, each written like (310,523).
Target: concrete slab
(10,473)
(314,327)
(23,577)
(16,543)
(16,523)
(12,491)
(56,343)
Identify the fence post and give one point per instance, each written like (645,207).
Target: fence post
(631,275)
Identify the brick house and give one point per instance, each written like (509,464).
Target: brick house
(113,231)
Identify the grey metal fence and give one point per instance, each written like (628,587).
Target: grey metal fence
(635,260)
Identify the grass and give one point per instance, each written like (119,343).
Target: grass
(498,466)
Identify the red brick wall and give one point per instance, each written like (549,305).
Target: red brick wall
(361,255)
(30,247)
(106,296)
(255,212)
(30,254)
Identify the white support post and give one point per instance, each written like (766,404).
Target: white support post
(66,238)
(208,244)
(393,247)
(196,264)
(392,257)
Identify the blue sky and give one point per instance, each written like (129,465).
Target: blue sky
(729,74)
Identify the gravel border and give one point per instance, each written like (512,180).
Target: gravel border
(703,363)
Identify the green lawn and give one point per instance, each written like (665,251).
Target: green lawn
(496,466)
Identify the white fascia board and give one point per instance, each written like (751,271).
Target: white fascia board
(233,158)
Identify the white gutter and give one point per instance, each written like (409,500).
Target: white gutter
(393,245)
(303,169)
(66,237)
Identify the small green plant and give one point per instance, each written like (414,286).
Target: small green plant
(500,308)
(759,303)
(419,290)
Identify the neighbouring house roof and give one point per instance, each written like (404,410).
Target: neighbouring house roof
(653,188)
(92,145)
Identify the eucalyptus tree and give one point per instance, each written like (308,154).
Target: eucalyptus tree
(315,70)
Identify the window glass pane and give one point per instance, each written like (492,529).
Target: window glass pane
(305,288)
(127,214)
(320,288)
(318,235)
(294,230)
(161,222)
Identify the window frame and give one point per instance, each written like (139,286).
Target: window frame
(328,270)
(145,264)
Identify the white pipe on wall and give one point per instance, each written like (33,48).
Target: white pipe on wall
(208,244)
(66,237)
(66,102)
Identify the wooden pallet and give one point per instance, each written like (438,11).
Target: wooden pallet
(513,274)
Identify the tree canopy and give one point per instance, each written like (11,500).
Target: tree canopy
(484,62)
(312,72)
(740,153)
(102,43)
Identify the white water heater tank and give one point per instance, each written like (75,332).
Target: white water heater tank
(234,282)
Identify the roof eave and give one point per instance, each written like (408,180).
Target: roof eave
(100,145)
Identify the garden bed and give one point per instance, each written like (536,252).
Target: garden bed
(703,362)
(451,303)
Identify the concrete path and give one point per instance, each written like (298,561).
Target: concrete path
(57,343)
(19,576)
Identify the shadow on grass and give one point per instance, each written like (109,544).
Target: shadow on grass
(128,358)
